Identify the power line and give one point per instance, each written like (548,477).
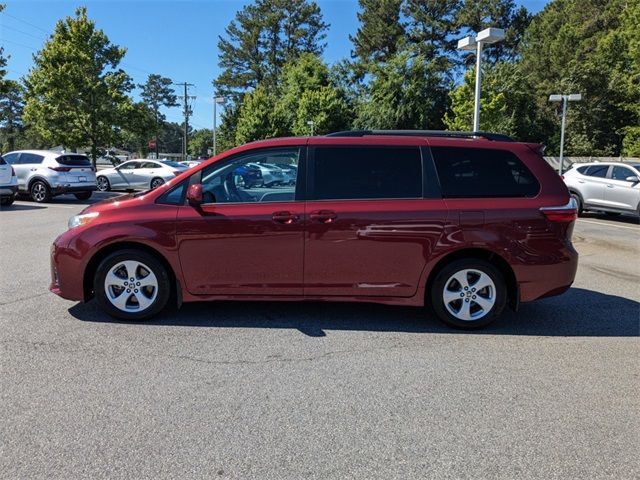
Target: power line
(19,44)
(37,37)
(25,22)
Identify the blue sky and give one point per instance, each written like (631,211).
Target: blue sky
(177,39)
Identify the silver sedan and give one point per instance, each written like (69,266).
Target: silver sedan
(138,174)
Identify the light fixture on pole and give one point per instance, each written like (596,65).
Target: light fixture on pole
(572,97)
(475,42)
(216,101)
(310,123)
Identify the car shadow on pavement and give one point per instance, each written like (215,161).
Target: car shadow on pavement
(578,312)
(17,207)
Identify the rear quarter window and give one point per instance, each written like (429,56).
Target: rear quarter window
(482,173)
(2,162)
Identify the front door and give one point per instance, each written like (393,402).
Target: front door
(369,229)
(621,193)
(243,241)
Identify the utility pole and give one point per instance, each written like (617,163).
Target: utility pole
(187,113)
(217,100)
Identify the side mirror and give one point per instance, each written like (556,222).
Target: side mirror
(632,179)
(194,195)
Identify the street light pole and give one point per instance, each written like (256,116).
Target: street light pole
(216,101)
(573,97)
(476,42)
(310,123)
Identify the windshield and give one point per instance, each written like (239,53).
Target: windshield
(171,163)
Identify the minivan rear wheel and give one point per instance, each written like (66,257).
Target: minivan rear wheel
(468,293)
(40,192)
(131,285)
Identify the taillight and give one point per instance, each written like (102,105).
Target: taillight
(60,169)
(564,213)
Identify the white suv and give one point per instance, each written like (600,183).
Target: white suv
(8,183)
(44,174)
(612,187)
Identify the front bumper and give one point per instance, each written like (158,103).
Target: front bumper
(66,270)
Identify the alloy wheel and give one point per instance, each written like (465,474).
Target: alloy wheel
(103,184)
(469,294)
(131,286)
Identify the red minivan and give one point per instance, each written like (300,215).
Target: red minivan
(464,223)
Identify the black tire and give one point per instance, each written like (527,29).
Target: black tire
(103,183)
(83,195)
(578,199)
(158,269)
(444,275)
(7,201)
(40,192)
(155,183)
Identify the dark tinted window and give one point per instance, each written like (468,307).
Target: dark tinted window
(480,172)
(74,160)
(2,162)
(175,196)
(367,172)
(10,158)
(597,171)
(582,170)
(30,158)
(129,166)
(621,173)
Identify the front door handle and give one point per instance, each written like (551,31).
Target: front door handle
(609,185)
(285,217)
(323,216)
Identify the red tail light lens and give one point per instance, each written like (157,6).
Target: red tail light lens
(60,169)
(564,213)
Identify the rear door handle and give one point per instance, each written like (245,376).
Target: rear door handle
(285,217)
(323,216)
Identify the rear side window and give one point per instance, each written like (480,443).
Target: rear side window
(30,158)
(582,170)
(482,173)
(599,171)
(342,173)
(2,162)
(74,160)
(11,158)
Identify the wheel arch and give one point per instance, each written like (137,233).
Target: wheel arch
(36,178)
(513,290)
(102,253)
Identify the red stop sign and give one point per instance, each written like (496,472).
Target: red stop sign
(152,144)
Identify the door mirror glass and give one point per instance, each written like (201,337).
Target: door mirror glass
(194,195)
(632,179)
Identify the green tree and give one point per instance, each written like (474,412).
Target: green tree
(432,27)
(381,33)
(138,127)
(263,37)
(588,47)
(11,108)
(408,92)
(256,119)
(200,142)
(3,63)
(325,108)
(76,95)
(506,104)
(476,15)
(157,93)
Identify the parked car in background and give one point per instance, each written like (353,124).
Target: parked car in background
(251,176)
(190,163)
(465,223)
(610,187)
(271,175)
(44,174)
(139,175)
(8,183)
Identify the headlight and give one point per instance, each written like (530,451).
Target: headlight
(79,220)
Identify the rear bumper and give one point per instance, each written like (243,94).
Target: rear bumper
(540,281)
(8,190)
(73,188)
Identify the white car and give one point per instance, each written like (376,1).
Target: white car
(611,187)
(138,175)
(8,184)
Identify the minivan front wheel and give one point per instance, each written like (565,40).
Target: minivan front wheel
(40,192)
(468,293)
(131,285)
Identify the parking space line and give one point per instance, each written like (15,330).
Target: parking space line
(46,205)
(609,224)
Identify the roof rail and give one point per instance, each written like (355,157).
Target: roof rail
(423,133)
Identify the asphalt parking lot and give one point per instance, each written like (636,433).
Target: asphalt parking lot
(323,391)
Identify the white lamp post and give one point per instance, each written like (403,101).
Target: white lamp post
(475,42)
(310,123)
(216,101)
(572,97)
